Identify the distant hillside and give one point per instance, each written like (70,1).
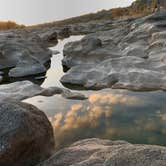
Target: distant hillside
(145,6)
(137,8)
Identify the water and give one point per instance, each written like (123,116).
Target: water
(137,117)
(56,71)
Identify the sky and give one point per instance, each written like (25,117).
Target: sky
(39,11)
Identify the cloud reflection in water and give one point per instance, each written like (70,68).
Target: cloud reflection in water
(92,118)
(137,117)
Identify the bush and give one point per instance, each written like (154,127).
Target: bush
(9,25)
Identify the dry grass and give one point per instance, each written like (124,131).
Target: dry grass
(6,25)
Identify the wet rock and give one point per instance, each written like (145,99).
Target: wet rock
(25,89)
(1,72)
(97,152)
(26,136)
(49,37)
(19,90)
(128,55)
(1,78)
(40,77)
(64,92)
(63,32)
(25,53)
(55,52)
(73,95)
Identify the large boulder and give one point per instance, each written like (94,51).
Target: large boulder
(97,152)
(24,52)
(26,135)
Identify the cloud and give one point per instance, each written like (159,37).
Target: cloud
(113,99)
(88,119)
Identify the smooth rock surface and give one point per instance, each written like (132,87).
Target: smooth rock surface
(1,78)
(130,54)
(23,52)
(25,89)
(26,135)
(97,152)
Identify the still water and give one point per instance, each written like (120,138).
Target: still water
(56,70)
(137,117)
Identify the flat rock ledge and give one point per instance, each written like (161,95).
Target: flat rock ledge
(129,54)
(97,152)
(25,89)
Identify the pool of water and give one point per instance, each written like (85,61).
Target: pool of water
(137,117)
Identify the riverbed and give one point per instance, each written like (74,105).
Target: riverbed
(137,117)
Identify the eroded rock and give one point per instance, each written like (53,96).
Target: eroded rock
(130,55)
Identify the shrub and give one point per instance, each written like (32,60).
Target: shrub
(5,25)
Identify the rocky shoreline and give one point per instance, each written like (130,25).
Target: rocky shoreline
(122,54)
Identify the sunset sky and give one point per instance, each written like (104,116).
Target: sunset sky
(39,11)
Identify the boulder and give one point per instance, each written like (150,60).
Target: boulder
(26,135)
(23,52)
(97,152)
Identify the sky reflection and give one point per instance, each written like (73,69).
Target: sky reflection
(55,72)
(112,115)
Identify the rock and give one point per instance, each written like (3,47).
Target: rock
(63,32)
(19,90)
(25,53)
(128,55)
(23,70)
(86,51)
(25,89)
(1,78)
(49,38)
(26,136)
(96,152)
(73,95)
(50,33)
(55,52)
(1,72)
(123,74)
(66,93)
(40,77)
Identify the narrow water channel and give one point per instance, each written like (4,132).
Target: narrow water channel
(56,71)
(137,117)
